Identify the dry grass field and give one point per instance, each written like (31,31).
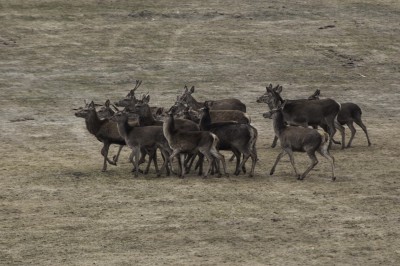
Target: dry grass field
(58,208)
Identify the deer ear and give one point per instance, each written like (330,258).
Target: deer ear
(269,90)
(278,89)
(192,89)
(318,92)
(107,103)
(146,99)
(91,104)
(186,88)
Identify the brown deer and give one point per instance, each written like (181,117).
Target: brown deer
(299,139)
(224,104)
(191,142)
(349,113)
(104,130)
(238,138)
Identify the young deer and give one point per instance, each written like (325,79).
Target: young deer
(107,112)
(191,142)
(349,113)
(224,104)
(105,131)
(299,139)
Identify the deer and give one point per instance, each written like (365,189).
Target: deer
(107,112)
(128,98)
(349,113)
(216,115)
(191,142)
(104,130)
(238,138)
(305,113)
(299,139)
(142,108)
(136,137)
(224,104)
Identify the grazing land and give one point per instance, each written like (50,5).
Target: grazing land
(58,208)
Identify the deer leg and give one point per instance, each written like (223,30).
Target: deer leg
(104,152)
(290,153)
(274,142)
(341,130)
(143,153)
(353,132)
(165,154)
(251,152)
(324,151)
(136,151)
(244,165)
(172,156)
(364,128)
(314,162)
(280,155)
(152,157)
(220,157)
(182,164)
(238,164)
(115,157)
(199,163)
(189,162)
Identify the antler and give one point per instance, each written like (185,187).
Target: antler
(138,83)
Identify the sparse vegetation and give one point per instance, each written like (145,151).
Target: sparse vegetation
(58,208)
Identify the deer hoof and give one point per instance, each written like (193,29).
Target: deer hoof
(299,177)
(271,173)
(333,178)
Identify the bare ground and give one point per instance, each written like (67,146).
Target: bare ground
(57,208)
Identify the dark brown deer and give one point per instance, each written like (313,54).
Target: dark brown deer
(299,139)
(136,137)
(191,142)
(129,97)
(146,118)
(306,113)
(216,115)
(238,138)
(349,113)
(104,130)
(224,104)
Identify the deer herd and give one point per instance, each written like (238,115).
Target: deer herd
(191,131)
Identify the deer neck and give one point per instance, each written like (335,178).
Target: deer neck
(205,120)
(193,103)
(124,128)
(279,123)
(146,117)
(169,127)
(93,122)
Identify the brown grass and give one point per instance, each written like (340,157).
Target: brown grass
(57,208)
